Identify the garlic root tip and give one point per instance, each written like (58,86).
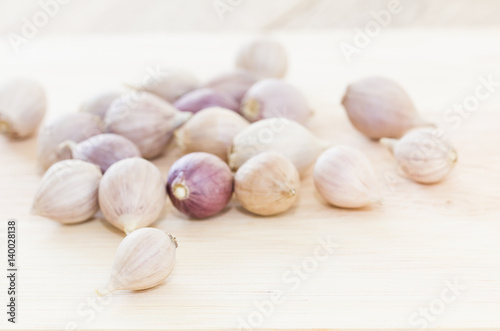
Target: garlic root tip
(103,293)
(180,191)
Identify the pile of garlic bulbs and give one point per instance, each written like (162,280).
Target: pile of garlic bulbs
(243,132)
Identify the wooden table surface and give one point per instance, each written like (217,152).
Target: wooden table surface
(430,255)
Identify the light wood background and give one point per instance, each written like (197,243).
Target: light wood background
(390,260)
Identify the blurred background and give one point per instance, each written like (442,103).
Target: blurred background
(158,16)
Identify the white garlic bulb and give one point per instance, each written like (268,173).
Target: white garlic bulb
(145,258)
(211,130)
(345,178)
(280,135)
(267,184)
(423,154)
(132,194)
(275,98)
(74,127)
(379,107)
(100,103)
(264,57)
(23,104)
(68,192)
(146,120)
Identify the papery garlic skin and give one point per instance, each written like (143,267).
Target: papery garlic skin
(265,57)
(211,130)
(68,192)
(280,135)
(100,103)
(23,104)
(235,83)
(131,194)
(144,259)
(275,98)
(423,154)
(102,150)
(74,127)
(200,185)
(267,184)
(345,178)
(146,120)
(170,85)
(200,99)
(379,107)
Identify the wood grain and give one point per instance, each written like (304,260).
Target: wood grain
(386,261)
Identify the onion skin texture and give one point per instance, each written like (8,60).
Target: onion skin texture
(102,150)
(267,184)
(131,194)
(264,57)
(200,185)
(148,121)
(203,98)
(211,130)
(23,104)
(235,83)
(379,107)
(275,98)
(99,104)
(423,154)
(344,177)
(74,127)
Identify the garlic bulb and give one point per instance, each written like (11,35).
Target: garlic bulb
(275,98)
(345,178)
(280,135)
(146,120)
(131,194)
(211,130)
(23,104)
(200,185)
(423,154)
(378,107)
(68,192)
(265,57)
(102,150)
(144,259)
(68,127)
(100,103)
(235,83)
(267,184)
(169,85)
(197,100)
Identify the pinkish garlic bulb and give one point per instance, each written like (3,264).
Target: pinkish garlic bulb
(103,150)
(275,98)
(235,83)
(99,104)
(200,185)
(203,98)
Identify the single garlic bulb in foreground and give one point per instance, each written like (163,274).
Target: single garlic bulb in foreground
(264,57)
(146,120)
(280,135)
(100,103)
(345,178)
(131,194)
(200,185)
(199,99)
(267,184)
(102,150)
(211,130)
(170,85)
(74,127)
(235,83)
(68,192)
(23,104)
(145,258)
(379,107)
(423,154)
(275,98)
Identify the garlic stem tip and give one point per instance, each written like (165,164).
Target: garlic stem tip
(388,142)
(4,127)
